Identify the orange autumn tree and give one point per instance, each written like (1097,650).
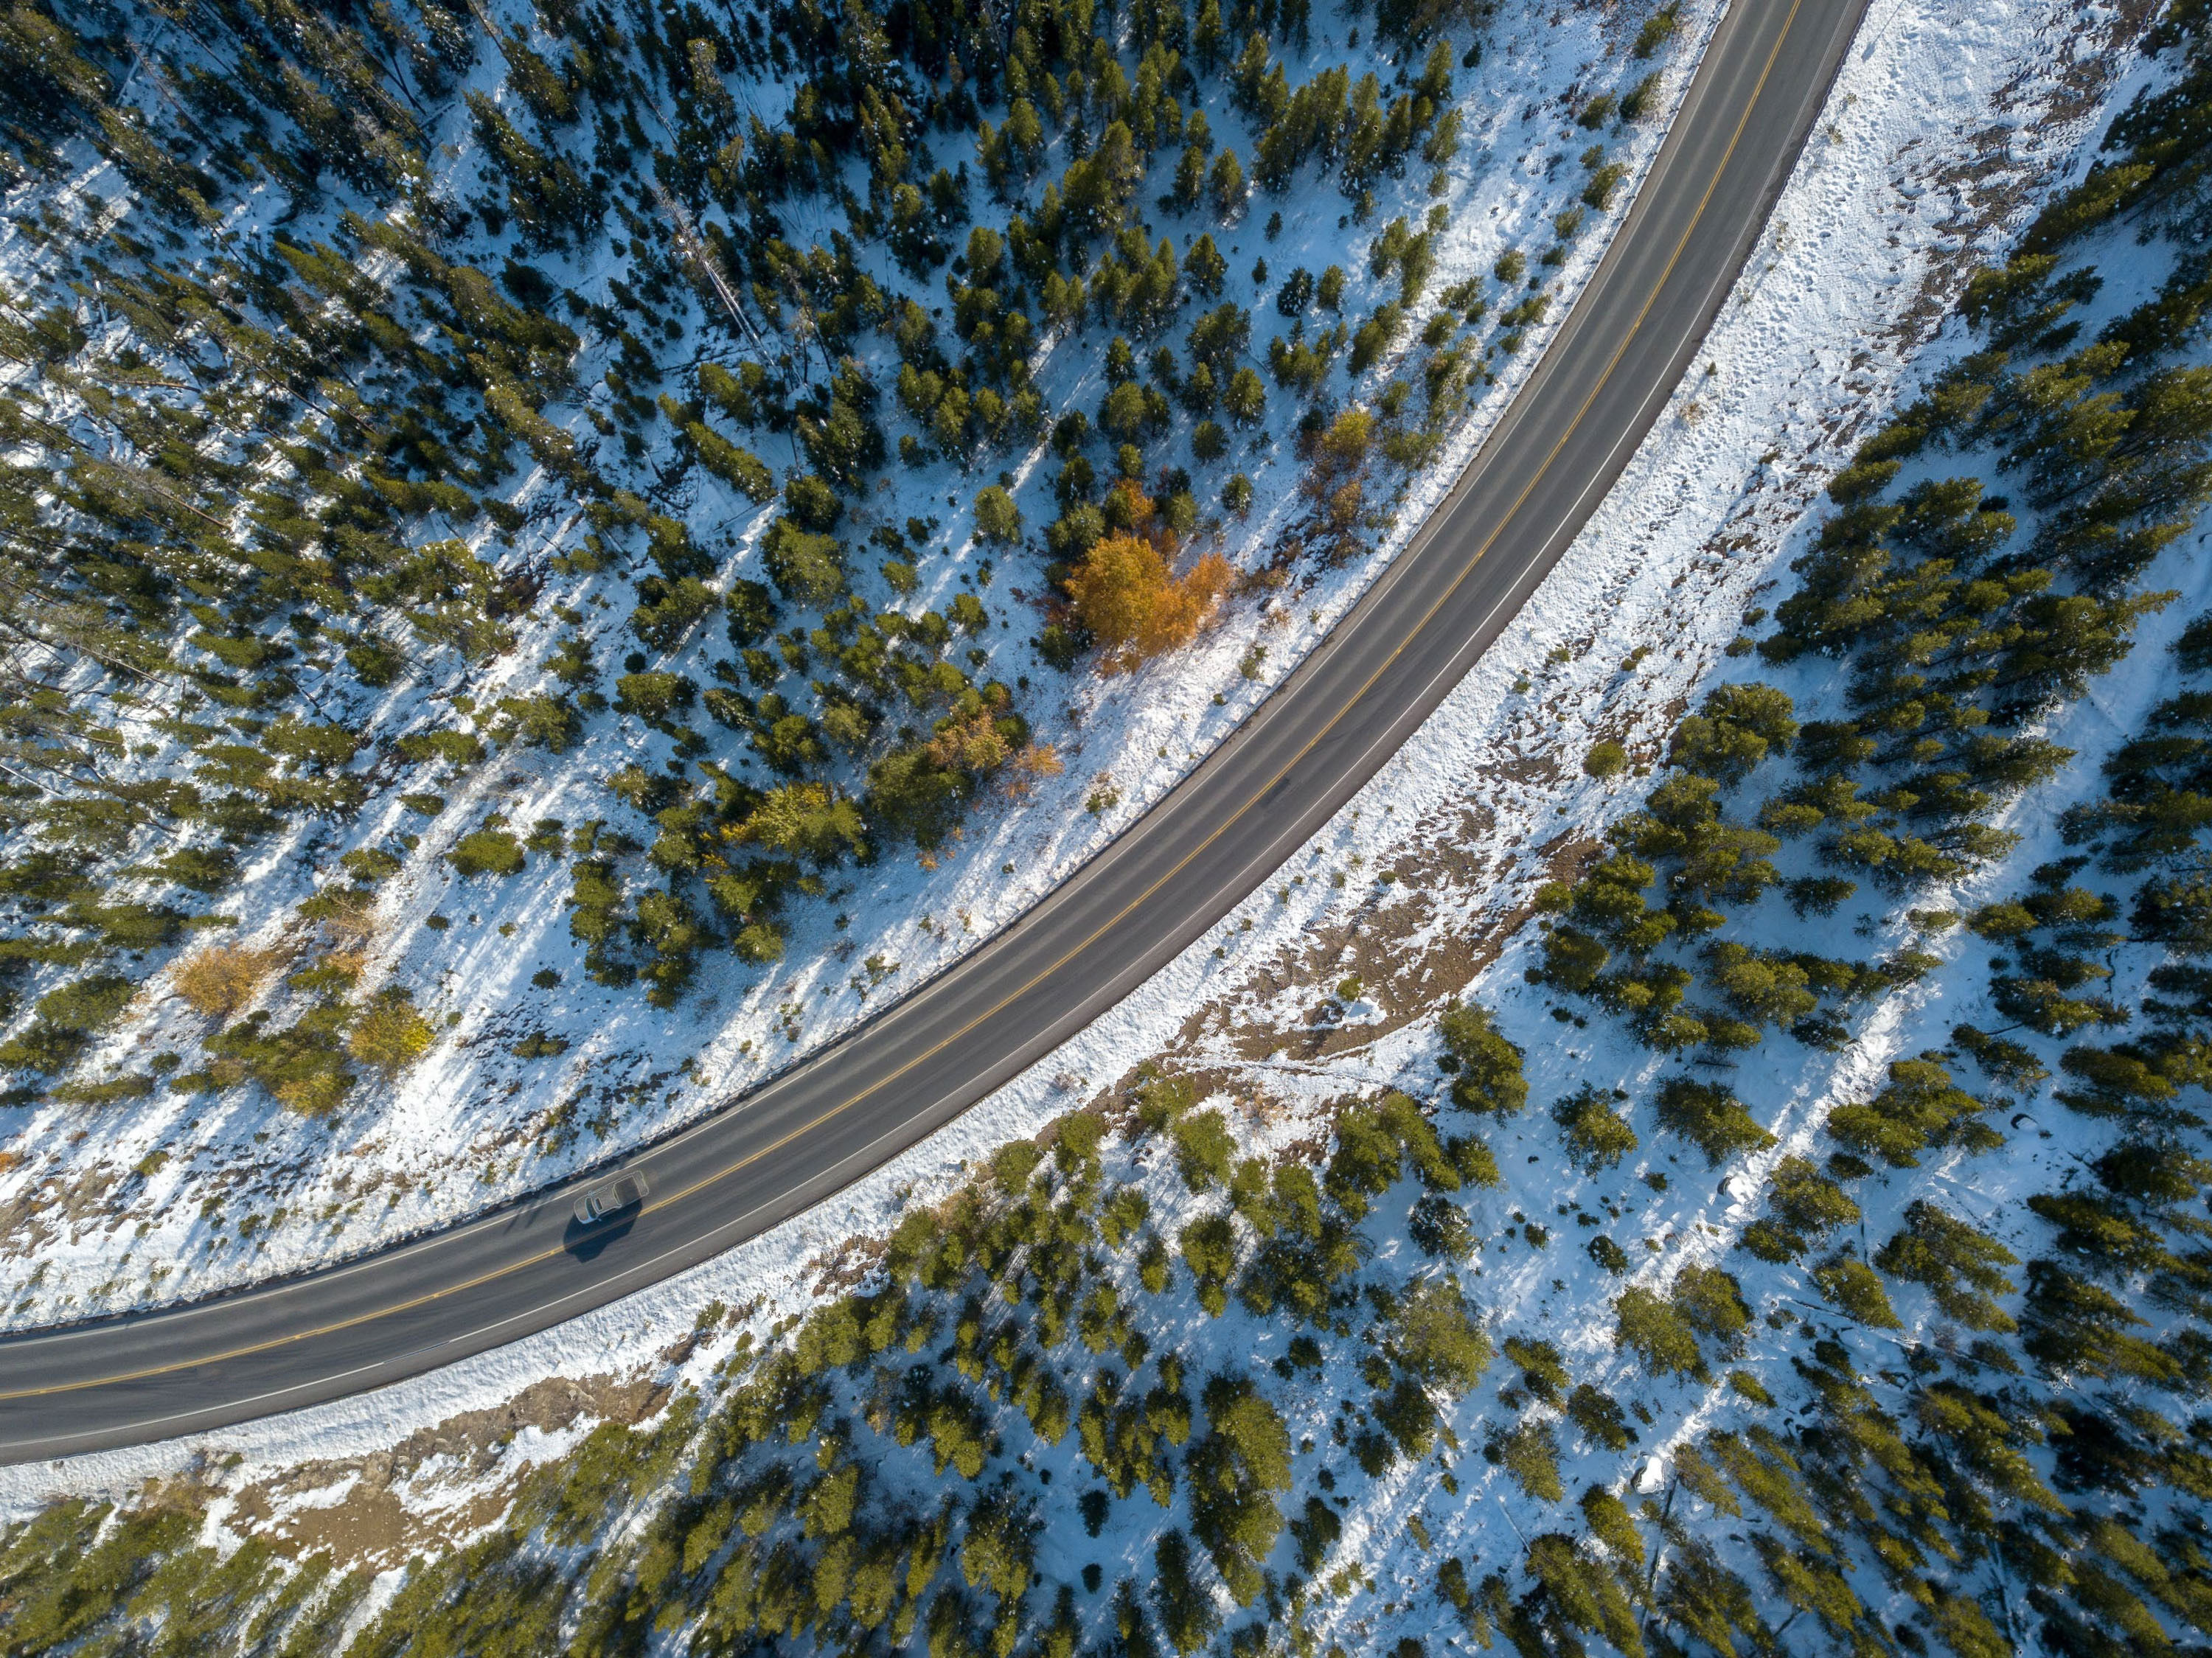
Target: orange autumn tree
(1127,595)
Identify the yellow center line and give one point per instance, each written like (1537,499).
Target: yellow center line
(1115,920)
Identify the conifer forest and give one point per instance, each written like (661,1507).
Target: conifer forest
(556,555)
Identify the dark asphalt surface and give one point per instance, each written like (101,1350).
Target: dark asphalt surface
(1301,755)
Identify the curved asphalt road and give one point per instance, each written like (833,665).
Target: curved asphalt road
(1119,919)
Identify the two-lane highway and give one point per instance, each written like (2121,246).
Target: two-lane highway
(768,1155)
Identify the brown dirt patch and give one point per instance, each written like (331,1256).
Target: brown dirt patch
(383,1515)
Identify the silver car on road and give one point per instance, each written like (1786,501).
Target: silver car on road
(623,1194)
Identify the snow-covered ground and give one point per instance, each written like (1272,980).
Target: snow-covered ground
(1415,888)
(150,1199)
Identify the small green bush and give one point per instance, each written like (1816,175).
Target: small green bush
(487,852)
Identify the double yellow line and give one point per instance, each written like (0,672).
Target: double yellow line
(1120,916)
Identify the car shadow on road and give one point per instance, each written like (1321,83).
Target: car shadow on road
(587,1242)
